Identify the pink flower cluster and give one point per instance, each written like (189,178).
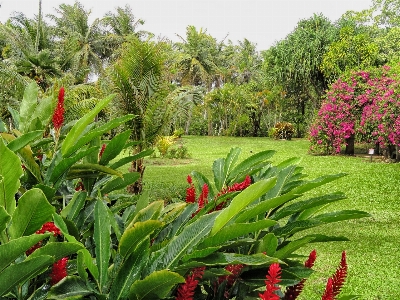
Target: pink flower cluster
(365,105)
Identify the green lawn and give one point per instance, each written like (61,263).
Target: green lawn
(373,253)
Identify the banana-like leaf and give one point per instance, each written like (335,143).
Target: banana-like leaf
(342,215)
(155,286)
(20,273)
(235,230)
(4,217)
(264,206)
(201,180)
(10,251)
(10,172)
(114,147)
(76,131)
(306,204)
(150,212)
(219,173)
(64,165)
(32,212)
(96,133)
(128,159)
(183,243)
(72,210)
(71,287)
(242,200)
(174,210)
(242,168)
(86,260)
(130,272)
(268,244)
(120,183)
(292,227)
(309,185)
(96,167)
(200,253)
(29,162)
(223,259)
(231,160)
(102,231)
(23,140)
(42,114)
(28,105)
(57,250)
(136,235)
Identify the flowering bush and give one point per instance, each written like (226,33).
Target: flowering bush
(365,105)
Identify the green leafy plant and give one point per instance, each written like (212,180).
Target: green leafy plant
(283,130)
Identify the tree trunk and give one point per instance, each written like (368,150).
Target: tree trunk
(350,145)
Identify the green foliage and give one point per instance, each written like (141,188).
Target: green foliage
(283,130)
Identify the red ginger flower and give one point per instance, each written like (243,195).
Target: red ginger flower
(58,116)
(328,294)
(103,147)
(273,278)
(190,191)
(292,292)
(47,227)
(186,290)
(335,283)
(59,270)
(236,187)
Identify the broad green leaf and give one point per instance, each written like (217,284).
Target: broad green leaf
(28,105)
(102,232)
(135,235)
(267,244)
(129,272)
(3,127)
(10,172)
(283,177)
(76,131)
(70,288)
(292,227)
(43,112)
(72,210)
(200,253)
(86,260)
(243,168)
(114,147)
(231,160)
(94,134)
(23,140)
(303,205)
(173,213)
(264,206)
(19,273)
(14,115)
(201,180)
(96,167)
(341,216)
(48,191)
(32,212)
(65,164)
(155,286)
(30,163)
(4,217)
(219,174)
(128,159)
(222,259)
(10,251)
(288,249)
(242,200)
(120,183)
(57,250)
(235,230)
(183,243)
(150,212)
(309,185)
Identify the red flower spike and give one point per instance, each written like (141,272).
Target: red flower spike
(59,270)
(328,294)
(189,179)
(273,278)
(311,259)
(47,227)
(340,275)
(103,147)
(186,290)
(58,116)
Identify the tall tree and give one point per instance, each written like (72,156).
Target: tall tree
(82,45)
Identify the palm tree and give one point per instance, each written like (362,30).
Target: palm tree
(82,45)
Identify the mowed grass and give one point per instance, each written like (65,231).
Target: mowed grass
(373,253)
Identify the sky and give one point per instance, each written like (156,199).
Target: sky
(263,22)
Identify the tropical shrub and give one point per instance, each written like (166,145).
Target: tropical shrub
(361,106)
(109,245)
(283,130)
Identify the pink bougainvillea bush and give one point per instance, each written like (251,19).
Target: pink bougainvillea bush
(364,105)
